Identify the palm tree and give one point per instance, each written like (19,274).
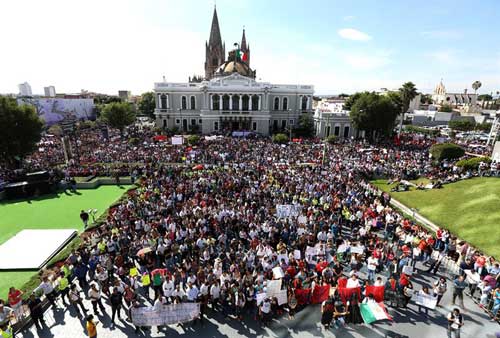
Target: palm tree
(476,85)
(407,92)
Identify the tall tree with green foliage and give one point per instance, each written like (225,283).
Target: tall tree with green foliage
(21,130)
(147,104)
(374,114)
(305,126)
(351,99)
(407,92)
(118,115)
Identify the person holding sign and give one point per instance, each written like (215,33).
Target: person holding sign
(455,322)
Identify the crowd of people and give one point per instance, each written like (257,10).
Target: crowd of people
(214,234)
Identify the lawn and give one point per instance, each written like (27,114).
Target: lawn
(56,211)
(470,209)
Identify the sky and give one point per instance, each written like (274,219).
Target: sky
(337,46)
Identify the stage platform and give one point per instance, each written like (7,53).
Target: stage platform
(33,249)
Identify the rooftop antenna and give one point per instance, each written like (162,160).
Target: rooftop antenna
(164,79)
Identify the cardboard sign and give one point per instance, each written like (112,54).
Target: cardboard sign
(427,301)
(408,270)
(357,249)
(177,140)
(296,254)
(278,273)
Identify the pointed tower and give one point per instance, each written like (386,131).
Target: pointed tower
(214,49)
(244,47)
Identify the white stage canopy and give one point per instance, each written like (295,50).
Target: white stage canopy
(32,249)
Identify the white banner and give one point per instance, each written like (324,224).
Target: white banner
(408,270)
(177,140)
(166,315)
(288,210)
(273,287)
(427,301)
(282,297)
(357,249)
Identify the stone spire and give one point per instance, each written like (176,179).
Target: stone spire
(215,51)
(243,45)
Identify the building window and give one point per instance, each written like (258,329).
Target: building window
(291,122)
(164,123)
(304,102)
(215,102)
(285,103)
(216,125)
(254,126)
(327,131)
(346,131)
(276,103)
(193,122)
(283,124)
(336,131)
(236,102)
(177,121)
(199,121)
(193,102)
(225,102)
(163,102)
(183,103)
(255,102)
(245,100)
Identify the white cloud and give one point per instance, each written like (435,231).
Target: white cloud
(442,34)
(353,34)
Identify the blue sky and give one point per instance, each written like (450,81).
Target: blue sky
(338,46)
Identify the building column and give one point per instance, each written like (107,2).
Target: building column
(220,102)
(241,103)
(168,102)
(259,106)
(230,102)
(250,102)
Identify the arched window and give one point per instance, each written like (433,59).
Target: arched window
(304,102)
(236,102)
(215,102)
(225,102)
(163,101)
(285,103)
(276,103)
(183,103)
(255,102)
(193,102)
(245,102)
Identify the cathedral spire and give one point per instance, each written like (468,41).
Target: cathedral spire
(215,38)
(243,45)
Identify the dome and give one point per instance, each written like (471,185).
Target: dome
(229,67)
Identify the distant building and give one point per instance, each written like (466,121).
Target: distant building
(25,89)
(57,110)
(124,95)
(441,97)
(330,118)
(50,91)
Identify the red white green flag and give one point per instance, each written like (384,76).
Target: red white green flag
(372,312)
(243,56)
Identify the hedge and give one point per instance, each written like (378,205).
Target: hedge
(331,139)
(473,163)
(280,138)
(446,151)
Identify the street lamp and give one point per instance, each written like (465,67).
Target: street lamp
(289,125)
(182,121)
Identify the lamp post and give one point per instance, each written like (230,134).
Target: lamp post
(182,121)
(289,126)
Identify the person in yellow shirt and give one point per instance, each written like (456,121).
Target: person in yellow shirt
(91,327)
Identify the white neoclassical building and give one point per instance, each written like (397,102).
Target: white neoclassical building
(231,102)
(330,118)
(229,98)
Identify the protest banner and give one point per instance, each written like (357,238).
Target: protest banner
(302,219)
(177,140)
(296,254)
(427,301)
(287,210)
(357,249)
(282,297)
(342,248)
(346,293)
(283,257)
(260,297)
(311,255)
(302,296)
(273,287)
(165,315)
(278,273)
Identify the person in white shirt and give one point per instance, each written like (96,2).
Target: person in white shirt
(192,292)
(353,282)
(265,311)
(178,294)
(47,289)
(215,294)
(372,266)
(455,323)
(168,287)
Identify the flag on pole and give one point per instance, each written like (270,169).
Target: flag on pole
(371,312)
(243,56)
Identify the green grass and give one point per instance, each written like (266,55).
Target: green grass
(56,211)
(470,209)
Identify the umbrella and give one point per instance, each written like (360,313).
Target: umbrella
(198,167)
(144,251)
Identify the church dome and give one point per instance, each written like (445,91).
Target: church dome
(230,67)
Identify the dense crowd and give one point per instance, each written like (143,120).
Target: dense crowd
(213,234)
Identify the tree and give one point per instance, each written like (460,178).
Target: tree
(476,85)
(21,130)
(462,125)
(445,108)
(407,92)
(449,151)
(485,97)
(118,115)
(280,138)
(351,99)
(305,126)
(147,104)
(374,113)
(485,126)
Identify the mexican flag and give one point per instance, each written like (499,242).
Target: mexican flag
(242,56)
(371,312)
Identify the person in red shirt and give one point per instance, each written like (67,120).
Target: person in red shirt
(15,301)
(321,265)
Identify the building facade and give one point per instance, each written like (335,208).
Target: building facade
(229,98)
(440,96)
(330,118)
(49,91)
(25,89)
